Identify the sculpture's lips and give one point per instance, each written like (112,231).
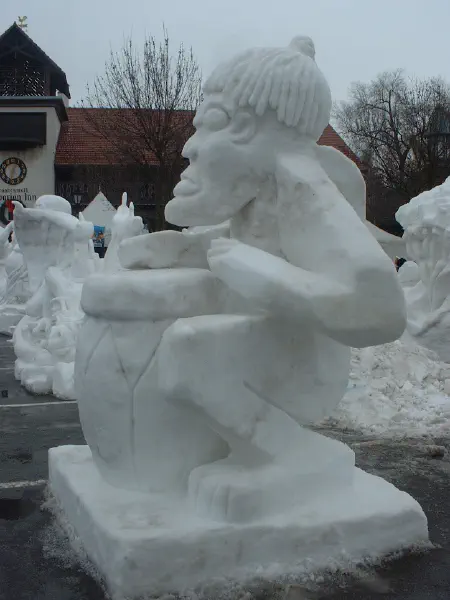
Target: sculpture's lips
(186,187)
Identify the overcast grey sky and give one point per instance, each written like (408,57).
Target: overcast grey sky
(355,39)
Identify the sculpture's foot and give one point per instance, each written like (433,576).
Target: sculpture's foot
(228,491)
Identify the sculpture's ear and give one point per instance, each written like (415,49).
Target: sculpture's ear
(302,184)
(291,186)
(243,126)
(310,209)
(294,176)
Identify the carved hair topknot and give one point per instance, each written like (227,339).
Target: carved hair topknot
(286,80)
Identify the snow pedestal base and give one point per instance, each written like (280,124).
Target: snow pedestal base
(153,543)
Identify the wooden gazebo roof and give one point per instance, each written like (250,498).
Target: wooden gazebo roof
(17,46)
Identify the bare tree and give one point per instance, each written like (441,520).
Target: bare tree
(401,128)
(152,95)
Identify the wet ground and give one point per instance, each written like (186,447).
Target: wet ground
(36,563)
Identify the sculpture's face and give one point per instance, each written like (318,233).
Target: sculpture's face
(224,159)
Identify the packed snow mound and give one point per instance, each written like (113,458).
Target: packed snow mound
(398,388)
(428,209)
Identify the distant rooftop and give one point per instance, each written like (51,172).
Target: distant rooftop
(25,69)
(80,143)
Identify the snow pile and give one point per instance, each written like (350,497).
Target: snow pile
(397,388)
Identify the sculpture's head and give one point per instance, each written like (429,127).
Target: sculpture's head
(52,202)
(263,102)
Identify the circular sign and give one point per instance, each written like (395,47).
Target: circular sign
(13,171)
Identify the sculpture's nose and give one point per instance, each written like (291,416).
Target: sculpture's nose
(190,149)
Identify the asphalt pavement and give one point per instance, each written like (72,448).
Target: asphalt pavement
(37,562)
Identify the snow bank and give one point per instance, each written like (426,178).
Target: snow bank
(397,388)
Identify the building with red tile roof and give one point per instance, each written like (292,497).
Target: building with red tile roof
(80,144)
(88,159)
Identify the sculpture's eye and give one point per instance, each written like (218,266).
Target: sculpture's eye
(215,119)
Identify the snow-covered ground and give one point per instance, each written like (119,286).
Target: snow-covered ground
(396,389)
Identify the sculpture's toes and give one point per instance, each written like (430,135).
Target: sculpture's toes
(233,493)
(209,491)
(229,491)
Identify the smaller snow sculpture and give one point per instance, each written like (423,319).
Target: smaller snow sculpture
(426,221)
(124,225)
(16,291)
(59,255)
(5,251)
(55,247)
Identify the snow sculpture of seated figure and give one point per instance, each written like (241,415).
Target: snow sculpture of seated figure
(200,367)
(426,221)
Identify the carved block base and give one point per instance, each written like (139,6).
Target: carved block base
(152,543)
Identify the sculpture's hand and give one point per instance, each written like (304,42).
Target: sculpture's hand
(170,249)
(162,250)
(253,273)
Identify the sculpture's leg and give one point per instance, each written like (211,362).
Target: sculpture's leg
(208,365)
(202,364)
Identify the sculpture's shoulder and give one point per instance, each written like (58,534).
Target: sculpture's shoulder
(334,161)
(346,176)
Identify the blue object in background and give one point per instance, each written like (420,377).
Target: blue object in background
(99,236)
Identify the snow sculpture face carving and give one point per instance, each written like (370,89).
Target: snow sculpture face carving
(426,221)
(237,332)
(248,115)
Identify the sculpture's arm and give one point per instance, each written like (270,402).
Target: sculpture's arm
(335,274)
(169,249)
(321,233)
(346,177)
